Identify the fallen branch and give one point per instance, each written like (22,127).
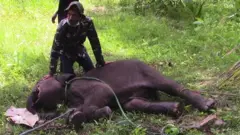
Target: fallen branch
(201,124)
(231,51)
(232,76)
(217,93)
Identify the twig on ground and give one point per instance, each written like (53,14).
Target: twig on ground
(231,51)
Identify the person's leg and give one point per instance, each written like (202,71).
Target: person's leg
(86,62)
(66,65)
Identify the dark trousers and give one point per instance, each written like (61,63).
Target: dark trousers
(66,65)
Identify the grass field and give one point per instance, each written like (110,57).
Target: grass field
(192,54)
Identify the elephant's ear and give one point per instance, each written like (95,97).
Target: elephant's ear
(63,78)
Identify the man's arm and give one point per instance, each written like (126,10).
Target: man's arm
(95,44)
(56,49)
(60,5)
(54,16)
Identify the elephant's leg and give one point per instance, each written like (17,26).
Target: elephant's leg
(173,88)
(102,113)
(169,108)
(88,113)
(95,113)
(197,100)
(76,118)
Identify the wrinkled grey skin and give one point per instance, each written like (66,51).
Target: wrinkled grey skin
(134,83)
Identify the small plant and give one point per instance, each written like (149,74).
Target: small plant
(139,131)
(170,129)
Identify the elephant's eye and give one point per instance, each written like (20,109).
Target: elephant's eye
(35,93)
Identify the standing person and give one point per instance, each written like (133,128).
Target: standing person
(60,13)
(68,42)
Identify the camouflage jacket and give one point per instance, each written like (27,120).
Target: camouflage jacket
(69,41)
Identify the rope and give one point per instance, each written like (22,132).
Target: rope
(44,124)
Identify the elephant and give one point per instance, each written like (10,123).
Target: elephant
(92,95)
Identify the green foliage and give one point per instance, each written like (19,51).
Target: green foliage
(172,8)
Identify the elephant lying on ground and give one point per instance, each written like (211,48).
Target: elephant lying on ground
(135,84)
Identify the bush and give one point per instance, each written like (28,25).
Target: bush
(173,8)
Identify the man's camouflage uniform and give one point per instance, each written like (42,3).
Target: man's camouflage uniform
(68,45)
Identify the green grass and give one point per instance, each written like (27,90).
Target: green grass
(197,53)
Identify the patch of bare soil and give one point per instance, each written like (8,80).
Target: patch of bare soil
(204,83)
(161,64)
(99,9)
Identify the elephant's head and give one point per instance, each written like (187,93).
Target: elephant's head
(47,93)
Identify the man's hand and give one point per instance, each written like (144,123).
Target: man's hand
(108,62)
(47,76)
(100,64)
(54,17)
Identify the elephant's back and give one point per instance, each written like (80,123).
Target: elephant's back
(123,74)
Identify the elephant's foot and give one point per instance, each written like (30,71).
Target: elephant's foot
(177,110)
(174,109)
(103,112)
(77,118)
(199,101)
(205,104)
(209,104)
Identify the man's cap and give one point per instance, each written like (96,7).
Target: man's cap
(77,4)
